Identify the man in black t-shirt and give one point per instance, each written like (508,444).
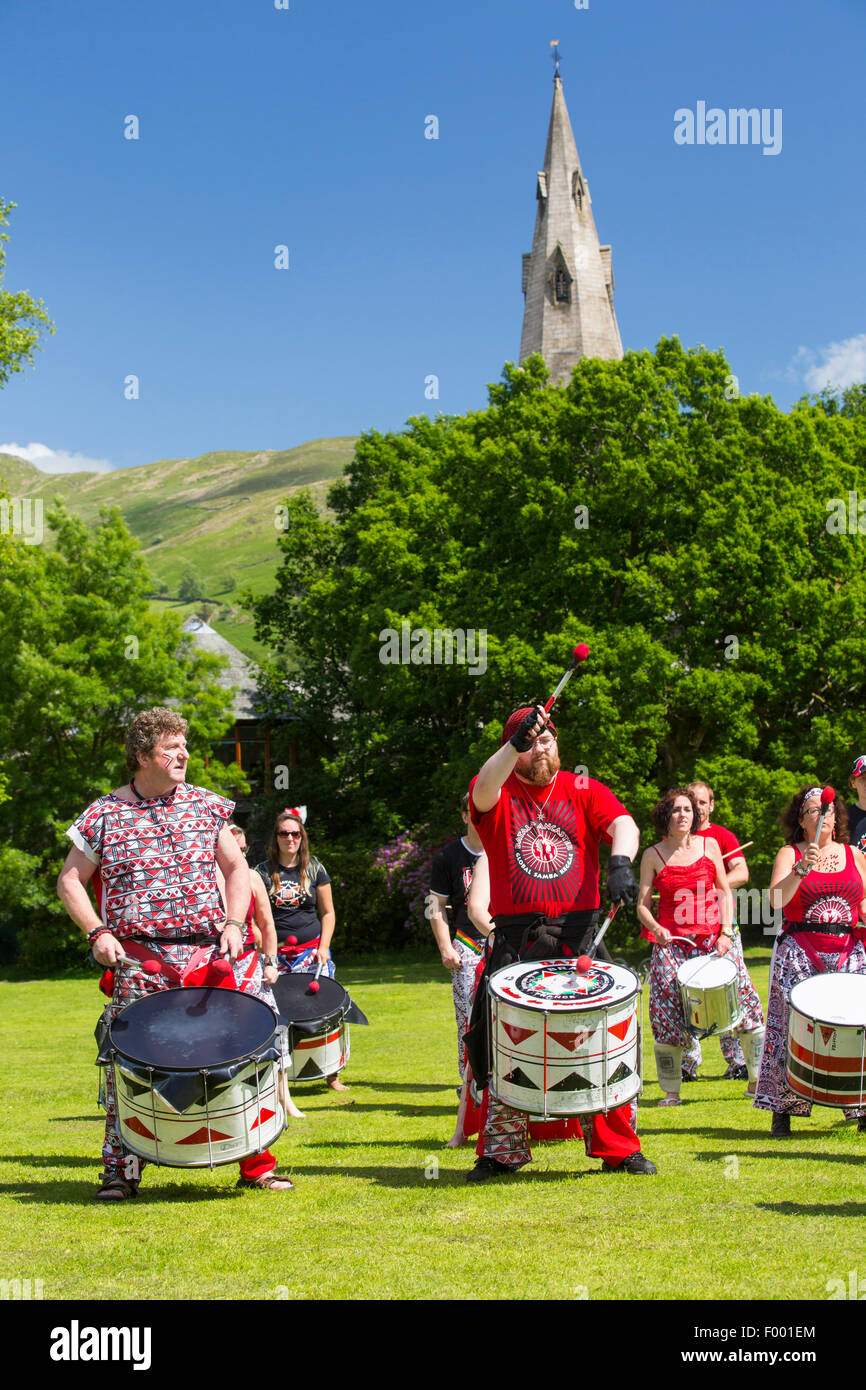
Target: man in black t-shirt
(450,879)
(857,810)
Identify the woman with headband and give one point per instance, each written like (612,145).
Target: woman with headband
(819,882)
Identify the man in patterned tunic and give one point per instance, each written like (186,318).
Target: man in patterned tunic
(156,842)
(541,828)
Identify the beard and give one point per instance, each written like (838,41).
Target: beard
(542,768)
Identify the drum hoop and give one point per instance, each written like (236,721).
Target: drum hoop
(171,1067)
(572,1005)
(817,1018)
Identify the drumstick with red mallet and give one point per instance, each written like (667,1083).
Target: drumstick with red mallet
(579,655)
(313,986)
(828,796)
(585,963)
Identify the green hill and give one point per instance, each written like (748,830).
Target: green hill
(216,513)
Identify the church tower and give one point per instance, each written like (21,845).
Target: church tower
(567,277)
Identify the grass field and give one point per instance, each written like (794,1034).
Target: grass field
(381,1209)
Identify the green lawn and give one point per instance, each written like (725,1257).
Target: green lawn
(731,1215)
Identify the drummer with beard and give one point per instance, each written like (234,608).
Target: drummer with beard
(541,828)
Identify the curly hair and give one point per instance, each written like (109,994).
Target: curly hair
(146,730)
(662,811)
(790,818)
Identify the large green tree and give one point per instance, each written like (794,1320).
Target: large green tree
(82,653)
(23,320)
(646,508)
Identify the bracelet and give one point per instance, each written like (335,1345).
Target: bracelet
(801,869)
(97,931)
(233,922)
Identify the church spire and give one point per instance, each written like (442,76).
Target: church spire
(567,277)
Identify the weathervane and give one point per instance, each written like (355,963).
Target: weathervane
(554,43)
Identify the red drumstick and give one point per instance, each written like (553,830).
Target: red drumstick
(581,652)
(828,796)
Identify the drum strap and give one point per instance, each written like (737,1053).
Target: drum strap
(812,955)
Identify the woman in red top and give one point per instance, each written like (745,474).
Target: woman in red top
(821,889)
(694,917)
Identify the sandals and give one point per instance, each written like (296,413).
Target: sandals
(271,1182)
(116,1189)
(671,1098)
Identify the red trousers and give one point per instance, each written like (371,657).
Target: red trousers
(504,1134)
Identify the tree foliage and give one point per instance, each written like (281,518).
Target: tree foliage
(22,320)
(82,654)
(724,618)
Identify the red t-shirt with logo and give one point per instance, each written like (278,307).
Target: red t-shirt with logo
(542,843)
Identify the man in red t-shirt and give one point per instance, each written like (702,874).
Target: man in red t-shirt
(738,875)
(541,828)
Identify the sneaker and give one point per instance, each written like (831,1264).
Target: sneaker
(736,1072)
(635,1163)
(488,1168)
(781,1126)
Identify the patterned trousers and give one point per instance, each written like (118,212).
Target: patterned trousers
(131,983)
(789,966)
(463,988)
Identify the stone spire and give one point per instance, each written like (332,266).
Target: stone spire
(567,277)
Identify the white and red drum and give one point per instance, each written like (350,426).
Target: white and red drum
(710,991)
(318,1025)
(196,1072)
(564,1043)
(827,1039)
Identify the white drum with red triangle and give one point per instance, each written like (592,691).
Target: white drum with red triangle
(826,1060)
(227,1121)
(565,1043)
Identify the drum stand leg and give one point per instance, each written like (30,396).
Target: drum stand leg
(258,1109)
(203,1075)
(604,1050)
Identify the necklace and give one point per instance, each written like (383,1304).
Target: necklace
(539,810)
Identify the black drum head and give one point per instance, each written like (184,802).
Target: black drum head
(187,1029)
(297,1005)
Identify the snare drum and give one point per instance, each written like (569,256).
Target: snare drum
(318,1025)
(564,1043)
(827,1039)
(710,991)
(196,1073)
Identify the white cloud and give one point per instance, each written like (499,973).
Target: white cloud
(837,364)
(56,460)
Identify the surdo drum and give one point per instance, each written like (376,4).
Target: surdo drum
(318,1025)
(827,1039)
(196,1072)
(564,1043)
(710,992)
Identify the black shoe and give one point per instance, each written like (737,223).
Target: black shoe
(781,1126)
(736,1072)
(488,1168)
(689,1075)
(861,1125)
(635,1163)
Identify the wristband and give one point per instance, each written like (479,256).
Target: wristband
(270,960)
(97,931)
(233,922)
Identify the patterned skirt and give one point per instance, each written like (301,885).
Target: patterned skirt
(789,966)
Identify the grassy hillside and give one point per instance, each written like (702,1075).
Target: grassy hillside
(216,513)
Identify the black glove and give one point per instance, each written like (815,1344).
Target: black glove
(621,885)
(522,739)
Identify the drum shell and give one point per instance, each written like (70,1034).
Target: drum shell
(826,1056)
(318,1055)
(241,1119)
(580,1060)
(709,1007)
(220,1102)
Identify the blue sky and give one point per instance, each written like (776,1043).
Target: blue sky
(305,127)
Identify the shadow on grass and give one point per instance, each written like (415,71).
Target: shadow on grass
(81,1194)
(814,1208)
(782,1152)
(78,1119)
(704,1131)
